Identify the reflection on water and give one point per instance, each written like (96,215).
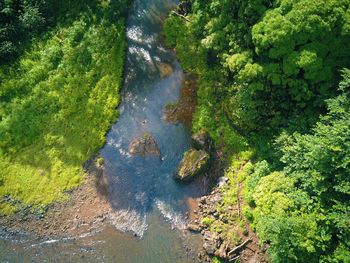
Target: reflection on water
(148,201)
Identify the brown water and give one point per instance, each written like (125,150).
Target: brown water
(150,203)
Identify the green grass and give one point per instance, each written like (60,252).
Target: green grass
(217,260)
(57,103)
(207,221)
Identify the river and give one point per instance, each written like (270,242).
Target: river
(151,205)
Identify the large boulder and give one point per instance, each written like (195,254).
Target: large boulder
(210,243)
(145,145)
(194,227)
(202,141)
(209,247)
(193,163)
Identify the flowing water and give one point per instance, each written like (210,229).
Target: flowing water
(150,204)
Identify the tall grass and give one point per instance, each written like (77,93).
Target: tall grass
(56,104)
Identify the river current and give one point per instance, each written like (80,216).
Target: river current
(150,204)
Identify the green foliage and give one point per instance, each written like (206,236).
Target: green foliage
(217,260)
(23,20)
(192,56)
(270,66)
(273,63)
(303,212)
(17,18)
(57,103)
(261,169)
(207,221)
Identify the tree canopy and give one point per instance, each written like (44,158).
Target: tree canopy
(269,74)
(280,58)
(303,210)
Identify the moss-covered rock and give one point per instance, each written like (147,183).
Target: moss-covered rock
(145,145)
(100,161)
(193,163)
(202,141)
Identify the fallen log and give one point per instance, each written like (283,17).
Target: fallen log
(235,258)
(182,16)
(239,247)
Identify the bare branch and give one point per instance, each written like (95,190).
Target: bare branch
(239,247)
(182,16)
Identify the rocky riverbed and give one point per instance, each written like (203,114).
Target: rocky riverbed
(225,235)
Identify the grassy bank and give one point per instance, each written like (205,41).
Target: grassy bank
(58,100)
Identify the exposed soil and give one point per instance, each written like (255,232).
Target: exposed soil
(87,210)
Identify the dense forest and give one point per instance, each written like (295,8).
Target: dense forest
(61,70)
(274,94)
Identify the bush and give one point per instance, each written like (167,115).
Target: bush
(207,221)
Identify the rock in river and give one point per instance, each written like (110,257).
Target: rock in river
(193,163)
(165,70)
(194,227)
(145,145)
(202,141)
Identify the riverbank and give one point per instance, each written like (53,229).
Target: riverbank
(278,128)
(223,237)
(88,210)
(57,103)
(217,215)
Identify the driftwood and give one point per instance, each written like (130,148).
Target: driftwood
(175,109)
(182,16)
(235,258)
(239,247)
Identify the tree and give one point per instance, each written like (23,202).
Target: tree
(303,211)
